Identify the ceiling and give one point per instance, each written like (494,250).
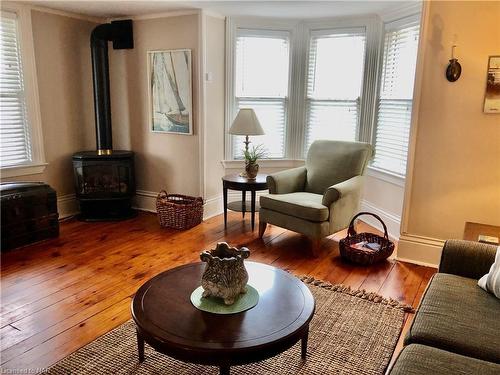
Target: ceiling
(282,9)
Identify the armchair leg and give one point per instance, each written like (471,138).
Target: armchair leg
(262,228)
(316,246)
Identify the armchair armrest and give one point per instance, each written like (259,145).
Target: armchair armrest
(340,190)
(288,181)
(467,258)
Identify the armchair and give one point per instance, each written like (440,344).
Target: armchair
(320,198)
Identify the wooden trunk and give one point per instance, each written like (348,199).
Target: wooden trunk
(29,213)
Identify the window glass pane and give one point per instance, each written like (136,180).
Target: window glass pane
(335,76)
(14,136)
(272,116)
(394,107)
(336,66)
(261,66)
(261,83)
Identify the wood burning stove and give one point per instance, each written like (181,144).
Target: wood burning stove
(105,178)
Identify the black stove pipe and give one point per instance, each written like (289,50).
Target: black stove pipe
(121,34)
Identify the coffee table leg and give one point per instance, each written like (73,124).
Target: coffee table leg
(304,344)
(140,347)
(224,370)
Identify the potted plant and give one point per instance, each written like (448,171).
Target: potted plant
(251,158)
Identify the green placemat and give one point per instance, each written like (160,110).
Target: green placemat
(216,305)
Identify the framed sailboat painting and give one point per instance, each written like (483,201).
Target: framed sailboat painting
(170,91)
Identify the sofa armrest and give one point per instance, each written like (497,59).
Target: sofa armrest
(288,181)
(342,189)
(467,258)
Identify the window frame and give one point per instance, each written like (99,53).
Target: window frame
(268,27)
(30,82)
(317,33)
(391,24)
(265,33)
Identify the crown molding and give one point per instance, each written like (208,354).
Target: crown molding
(54,11)
(151,16)
(405,10)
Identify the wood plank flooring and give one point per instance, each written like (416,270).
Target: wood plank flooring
(61,294)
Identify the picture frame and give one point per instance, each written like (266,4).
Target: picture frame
(170,91)
(492,92)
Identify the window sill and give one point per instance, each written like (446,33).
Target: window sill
(385,176)
(22,170)
(264,163)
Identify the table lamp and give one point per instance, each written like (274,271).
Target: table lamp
(246,123)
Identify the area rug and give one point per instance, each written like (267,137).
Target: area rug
(352,332)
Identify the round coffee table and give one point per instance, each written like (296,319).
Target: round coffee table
(166,319)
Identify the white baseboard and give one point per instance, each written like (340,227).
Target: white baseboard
(146,201)
(393,222)
(67,205)
(424,251)
(212,207)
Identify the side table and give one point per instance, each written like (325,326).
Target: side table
(243,184)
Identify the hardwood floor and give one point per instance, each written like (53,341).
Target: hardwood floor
(63,293)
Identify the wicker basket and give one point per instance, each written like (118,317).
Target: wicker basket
(179,211)
(364,255)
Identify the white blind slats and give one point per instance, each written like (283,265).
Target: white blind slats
(15,145)
(261,83)
(335,74)
(395,100)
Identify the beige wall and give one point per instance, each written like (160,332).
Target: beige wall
(456,175)
(64,73)
(214,110)
(163,161)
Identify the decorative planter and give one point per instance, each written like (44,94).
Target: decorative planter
(225,274)
(252,170)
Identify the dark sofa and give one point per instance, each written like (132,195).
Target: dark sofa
(456,329)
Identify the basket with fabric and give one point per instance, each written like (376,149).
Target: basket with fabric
(179,211)
(365,248)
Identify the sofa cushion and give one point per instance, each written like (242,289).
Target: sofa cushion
(458,316)
(418,359)
(303,205)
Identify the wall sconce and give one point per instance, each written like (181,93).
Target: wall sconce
(454,69)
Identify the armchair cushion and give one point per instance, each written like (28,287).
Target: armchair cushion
(303,205)
(331,162)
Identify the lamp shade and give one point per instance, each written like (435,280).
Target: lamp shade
(246,123)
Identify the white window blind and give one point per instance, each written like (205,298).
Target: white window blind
(335,75)
(15,145)
(396,95)
(261,83)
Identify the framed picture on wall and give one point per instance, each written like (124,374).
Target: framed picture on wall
(492,95)
(170,91)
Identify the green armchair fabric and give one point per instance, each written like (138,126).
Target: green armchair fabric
(320,198)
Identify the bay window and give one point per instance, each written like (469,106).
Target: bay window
(340,79)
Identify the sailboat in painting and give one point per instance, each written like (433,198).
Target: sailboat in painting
(171,91)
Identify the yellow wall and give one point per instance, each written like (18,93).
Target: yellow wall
(456,176)
(64,74)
